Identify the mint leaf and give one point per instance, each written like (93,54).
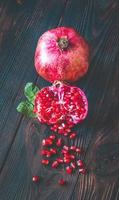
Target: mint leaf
(26,108)
(30,91)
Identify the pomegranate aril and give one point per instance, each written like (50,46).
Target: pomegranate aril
(45,162)
(80,163)
(69,170)
(62,182)
(73,165)
(65,134)
(68,130)
(53,151)
(47,142)
(67,160)
(73,148)
(46,153)
(35,179)
(66,148)
(61,131)
(78,150)
(64,151)
(60,160)
(63,125)
(52,137)
(53,129)
(59,142)
(82,171)
(55,164)
(72,136)
(72,156)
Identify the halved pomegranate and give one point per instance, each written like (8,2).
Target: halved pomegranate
(61,105)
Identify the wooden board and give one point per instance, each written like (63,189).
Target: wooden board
(20,28)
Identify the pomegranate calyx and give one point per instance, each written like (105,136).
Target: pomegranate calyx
(63,43)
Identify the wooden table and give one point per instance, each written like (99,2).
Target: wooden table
(20,28)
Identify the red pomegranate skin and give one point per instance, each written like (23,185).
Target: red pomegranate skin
(55,63)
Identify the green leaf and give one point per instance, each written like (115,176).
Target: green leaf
(30,91)
(26,108)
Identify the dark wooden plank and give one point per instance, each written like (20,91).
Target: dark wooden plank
(98,22)
(17,65)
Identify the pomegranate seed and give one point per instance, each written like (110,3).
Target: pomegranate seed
(66,134)
(62,182)
(80,163)
(73,165)
(66,148)
(46,153)
(82,171)
(68,170)
(53,129)
(59,142)
(61,131)
(64,151)
(35,179)
(55,164)
(68,130)
(63,125)
(60,160)
(73,148)
(53,151)
(72,156)
(67,160)
(44,142)
(78,150)
(47,142)
(72,136)
(52,137)
(45,162)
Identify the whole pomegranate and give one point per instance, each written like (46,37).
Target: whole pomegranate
(62,54)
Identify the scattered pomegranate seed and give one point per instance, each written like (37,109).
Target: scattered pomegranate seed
(47,142)
(68,130)
(53,129)
(72,136)
(73,148)
(67,160)
(65,134)
(78,150)
(73,165)
(35,179)
(68,170)
(61,131)
(64,151)
(45,162)
(60,160)
(72,156)
(55,164)
(62,182)
(59,142)
(66,148)
(53,151)
(46,153)
(80,163)
(52,137)
(82,171)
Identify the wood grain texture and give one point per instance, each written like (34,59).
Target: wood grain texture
(98,21)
